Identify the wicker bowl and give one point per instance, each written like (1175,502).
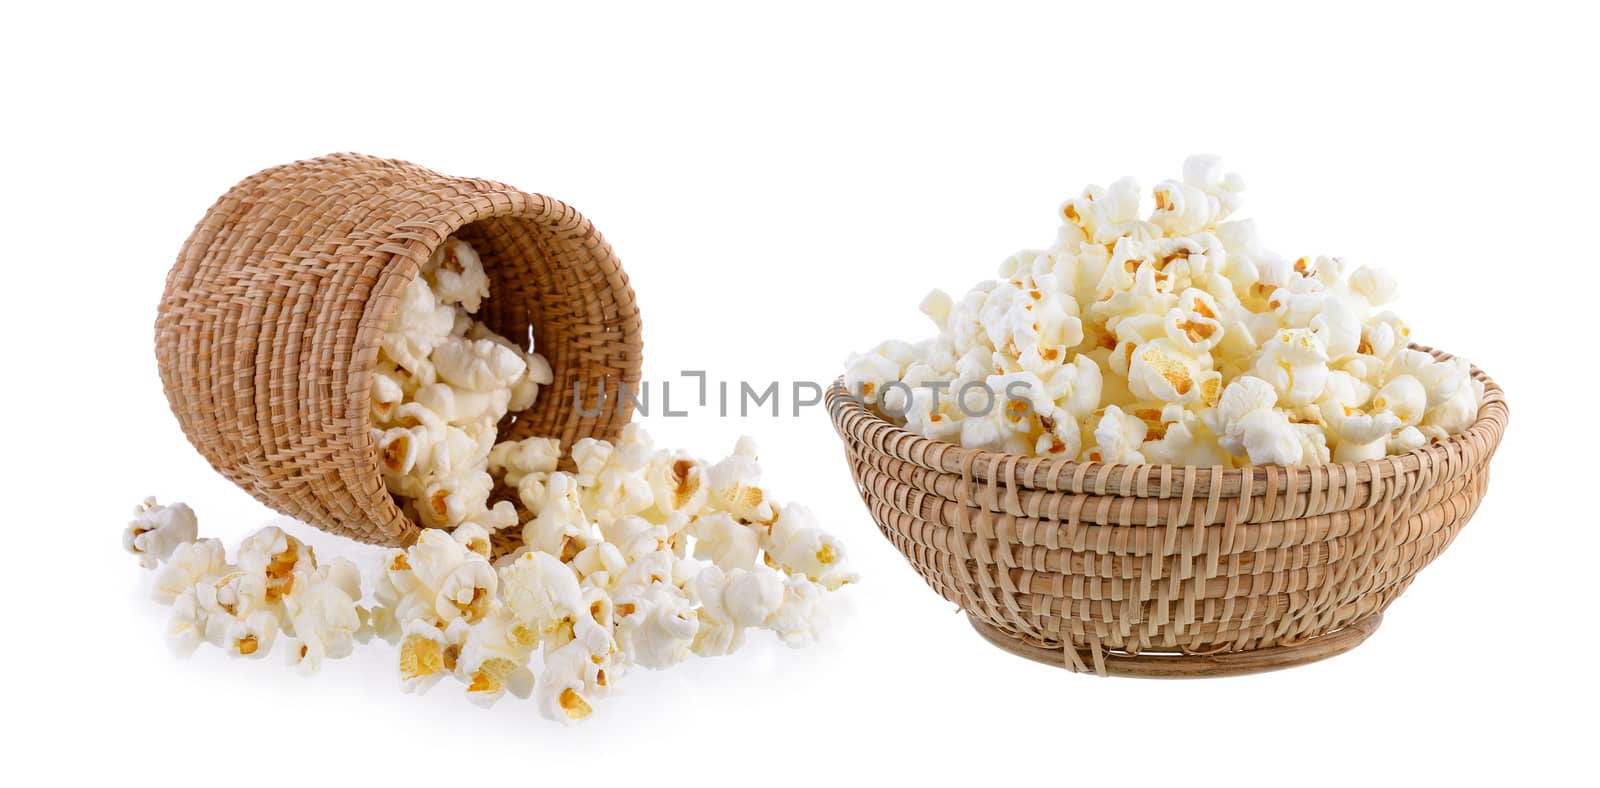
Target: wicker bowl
(269,327)
(1159,570)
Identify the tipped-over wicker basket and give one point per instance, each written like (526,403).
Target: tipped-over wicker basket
(269,327)
(1159,570)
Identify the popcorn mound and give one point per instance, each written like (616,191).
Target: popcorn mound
(1175,339)
(638,556)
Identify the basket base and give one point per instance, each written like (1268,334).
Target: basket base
(1194,666)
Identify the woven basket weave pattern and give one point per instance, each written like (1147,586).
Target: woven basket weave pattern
(268,331)
(1099,564)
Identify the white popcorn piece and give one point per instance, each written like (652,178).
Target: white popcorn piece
(717,633)
(251,636)
(1375,286)
(799,546)
(186,628)
(464,406)
(543,593)
(477,365)
(500,516)
(189,563)
(1295,362)
(725,541)
(514,460)
(156,531)
(457,275)
(568,683)
(323,615)
(1184,439)
(1269,439)
(230,596)
(388,392)
(752,596)
(798,619)
(560,528)
(656,624)
(449,501)
(1117,437)
(420,323)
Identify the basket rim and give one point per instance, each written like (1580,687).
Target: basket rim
(853,420)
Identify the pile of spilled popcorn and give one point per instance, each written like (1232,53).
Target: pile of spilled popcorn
(637,557)
(1175,339)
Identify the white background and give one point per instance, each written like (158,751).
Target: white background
(783,187)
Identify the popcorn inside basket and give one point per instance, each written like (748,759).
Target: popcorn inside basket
(1173,337)
(537,573)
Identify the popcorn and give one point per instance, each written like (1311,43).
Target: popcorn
(323,615)
(725,541)
(564,686)
(542,592)
(1117,437)
(494,658)
(156,531)
(679,483)
(273,556)
(1117,343)
(629,555)
(426,656)
(796,544)
(188,565)
(420,323)
(659,625)
(478,365)
(515,460)
(457,275)
(752,596)
(251,636)
(797,618)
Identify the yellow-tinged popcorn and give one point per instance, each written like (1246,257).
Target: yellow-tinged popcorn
(427,654)
(568,683)
(494,658)
(735,488)
(274,556)
(1084,349)
(251,636)
(679,483)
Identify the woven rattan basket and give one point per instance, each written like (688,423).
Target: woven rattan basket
(1163,571)
(269,327)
